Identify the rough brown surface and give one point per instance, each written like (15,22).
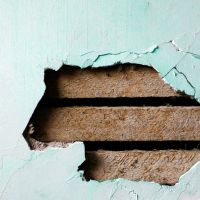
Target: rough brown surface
(159,166)
(122,81)
(66,124)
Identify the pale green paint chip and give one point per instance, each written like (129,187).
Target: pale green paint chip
(45,34)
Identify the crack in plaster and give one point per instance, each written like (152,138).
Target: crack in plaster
(3,190)
(176,66)
(114,191)
(182,192)
(179,72)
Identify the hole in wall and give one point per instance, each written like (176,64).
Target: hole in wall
(132,124)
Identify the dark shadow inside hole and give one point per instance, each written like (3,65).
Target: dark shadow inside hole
(119,102)
(141,145)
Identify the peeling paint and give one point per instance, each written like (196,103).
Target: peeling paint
(45,34)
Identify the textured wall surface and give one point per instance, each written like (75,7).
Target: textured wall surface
(35,35)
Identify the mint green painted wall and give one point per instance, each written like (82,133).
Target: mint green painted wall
(35,35)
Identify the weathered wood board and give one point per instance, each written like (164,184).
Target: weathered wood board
(164,166)
(123,81)
(68,124)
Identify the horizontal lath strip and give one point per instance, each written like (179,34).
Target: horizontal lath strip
(68,124)
(117,81)
(159,166)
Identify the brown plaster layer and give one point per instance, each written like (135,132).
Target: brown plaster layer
(68,124)
(164,167)
(123,81)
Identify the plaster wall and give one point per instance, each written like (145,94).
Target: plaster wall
(35,35)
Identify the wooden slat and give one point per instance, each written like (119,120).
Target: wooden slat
(117,123)
(164,167)
(117,81)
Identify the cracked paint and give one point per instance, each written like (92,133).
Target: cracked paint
(36,35)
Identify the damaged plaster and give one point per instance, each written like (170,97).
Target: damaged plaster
(36,35)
